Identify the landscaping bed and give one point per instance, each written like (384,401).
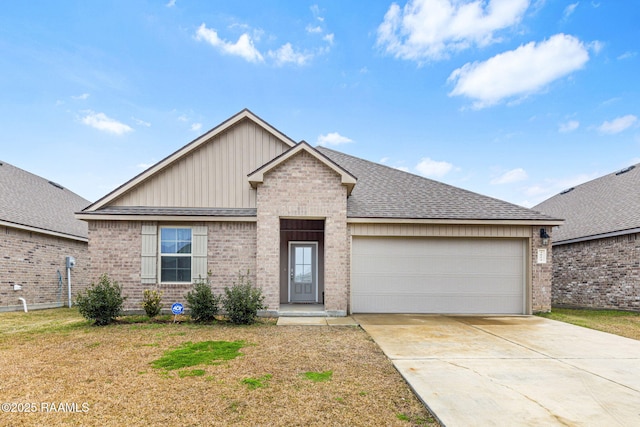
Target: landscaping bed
(623,323)
(117,375)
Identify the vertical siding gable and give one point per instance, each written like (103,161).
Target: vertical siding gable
(214,175)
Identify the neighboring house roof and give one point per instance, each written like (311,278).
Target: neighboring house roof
(347,178)
(605,206)
(30,202)
(385,192)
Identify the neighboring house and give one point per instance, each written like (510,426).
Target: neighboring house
(38,231)
(316,226)
(596,253)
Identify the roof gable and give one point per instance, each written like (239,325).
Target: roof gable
(609,204)
(346,177)
(30,202)
(161,171)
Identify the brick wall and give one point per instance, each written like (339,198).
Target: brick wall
(115,249)
(541,273)
(303,187)
(32,260)
(603,273)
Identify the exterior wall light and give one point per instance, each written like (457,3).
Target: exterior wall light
(544,236)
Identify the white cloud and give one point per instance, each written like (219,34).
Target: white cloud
(627,55)
(429,167)
(568,11)
(569,126)
(141,122)
(316,12)
(171,3)
(81,97)
(333,138)
(618,124)
(328,38)
(287,55)
(144,165)
(312,29)
(433,29)
(384,160)
(511,176)
(101,122)
(520,72)
(243,47)
(402,168)
(196,126)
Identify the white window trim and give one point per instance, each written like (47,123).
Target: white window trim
(160,255)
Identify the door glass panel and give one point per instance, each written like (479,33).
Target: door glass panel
(302,268)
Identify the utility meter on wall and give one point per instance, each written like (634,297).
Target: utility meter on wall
(71,262)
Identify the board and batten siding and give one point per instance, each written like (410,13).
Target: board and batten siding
(440,230)
(214,175)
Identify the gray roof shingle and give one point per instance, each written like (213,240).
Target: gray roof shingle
(608,204)
(29,200)
(385,192)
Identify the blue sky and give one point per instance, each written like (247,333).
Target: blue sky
(515,99)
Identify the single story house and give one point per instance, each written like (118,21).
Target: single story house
(316,226)
(38,231)
(596,253)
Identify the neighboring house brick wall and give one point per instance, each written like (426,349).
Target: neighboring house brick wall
(303,187)
(603,273)
(115,250)
(32,260)
(541,272)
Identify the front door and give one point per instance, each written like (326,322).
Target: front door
(303,272)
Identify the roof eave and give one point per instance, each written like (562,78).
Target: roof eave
(43,231)
(458,221)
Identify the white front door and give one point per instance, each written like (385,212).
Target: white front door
(303,272)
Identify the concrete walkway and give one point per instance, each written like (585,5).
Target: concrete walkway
(513,371)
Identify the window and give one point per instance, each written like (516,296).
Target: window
(175,254)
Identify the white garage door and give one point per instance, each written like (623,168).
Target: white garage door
(430,275)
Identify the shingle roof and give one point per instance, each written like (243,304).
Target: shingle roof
(29,200)
(384,192)
(608,204)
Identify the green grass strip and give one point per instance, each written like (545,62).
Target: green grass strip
(199,353)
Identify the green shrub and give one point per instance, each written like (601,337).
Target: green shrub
(101,302)
(242,301)
(202,302)
(152,302)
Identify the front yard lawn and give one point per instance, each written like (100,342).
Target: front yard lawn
(64,371)
(623,323)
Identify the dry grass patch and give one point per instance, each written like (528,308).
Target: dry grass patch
(623,323)
(57,357)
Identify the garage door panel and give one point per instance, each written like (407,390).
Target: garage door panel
(424,275)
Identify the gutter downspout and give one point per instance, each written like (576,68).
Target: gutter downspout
(24,304)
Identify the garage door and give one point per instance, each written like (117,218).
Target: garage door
(430,275)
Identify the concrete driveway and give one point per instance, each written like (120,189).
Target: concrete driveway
(513,371)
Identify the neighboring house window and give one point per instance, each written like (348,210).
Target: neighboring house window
(175,254)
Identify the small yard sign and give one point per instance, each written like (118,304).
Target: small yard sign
(176,309)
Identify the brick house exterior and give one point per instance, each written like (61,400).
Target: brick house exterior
(243,197)
(596,254)
(38,232)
